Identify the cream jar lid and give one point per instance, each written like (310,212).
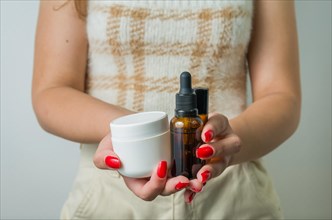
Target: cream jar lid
(140,125)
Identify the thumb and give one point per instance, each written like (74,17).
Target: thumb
(105,158)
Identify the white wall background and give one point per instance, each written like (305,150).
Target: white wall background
(37,169)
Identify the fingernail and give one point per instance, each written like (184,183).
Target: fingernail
(181,185)
(205,176)
(208,136)
(191,197)
(112,162)
(204,152)
(162,169)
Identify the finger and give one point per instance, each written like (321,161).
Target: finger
(223,147)
(149,190)
(189,196)
(216,126)
(211,170)
(227,146)
(195,186)
(175,184)
(105,158)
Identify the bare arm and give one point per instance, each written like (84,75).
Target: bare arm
(65,110)
(275,111)
(59,101)
(274,72)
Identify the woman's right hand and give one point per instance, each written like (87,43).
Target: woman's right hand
(145,188)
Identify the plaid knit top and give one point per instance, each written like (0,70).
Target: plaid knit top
(137,50)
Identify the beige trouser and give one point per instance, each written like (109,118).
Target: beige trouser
(241,192)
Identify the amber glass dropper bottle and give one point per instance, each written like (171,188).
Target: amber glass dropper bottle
(186,127)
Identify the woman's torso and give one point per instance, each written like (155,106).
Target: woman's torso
(137,50)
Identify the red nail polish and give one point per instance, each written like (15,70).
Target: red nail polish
(162,169)
(191,197)
(112,162)
(208,136)
(204,152)
(181,185)
(205,176)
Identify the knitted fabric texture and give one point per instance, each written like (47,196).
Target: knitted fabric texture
(137,50)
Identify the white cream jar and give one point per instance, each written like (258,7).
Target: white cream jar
(141,141)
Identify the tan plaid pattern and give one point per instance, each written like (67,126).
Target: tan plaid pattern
(136,54)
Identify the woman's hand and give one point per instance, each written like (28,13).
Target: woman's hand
(221,145)
(145,188)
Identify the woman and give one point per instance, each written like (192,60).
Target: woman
(96,61)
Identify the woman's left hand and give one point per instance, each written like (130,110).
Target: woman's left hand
(221,143)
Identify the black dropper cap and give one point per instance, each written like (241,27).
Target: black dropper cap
(186,101)
(202,100)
